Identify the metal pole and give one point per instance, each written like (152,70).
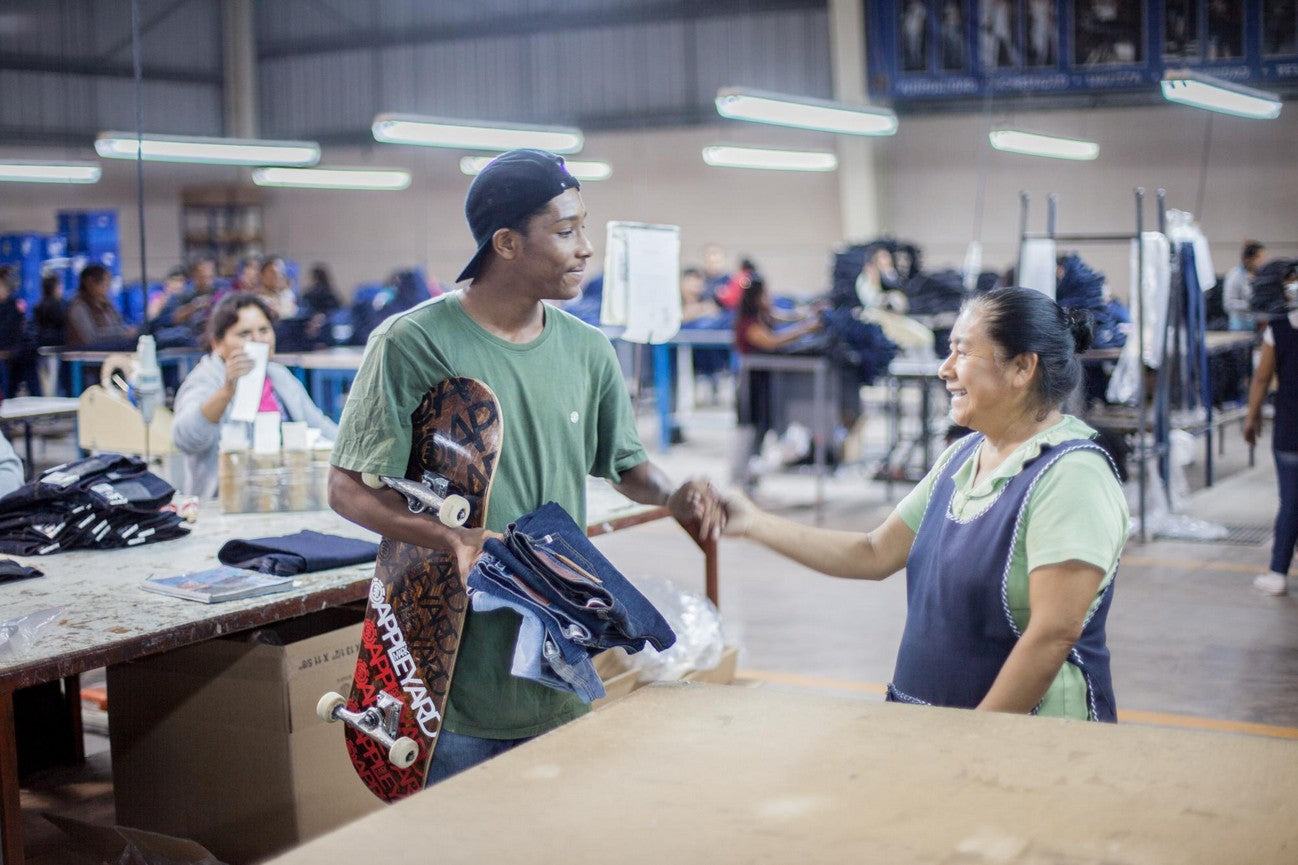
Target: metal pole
(139,152)
(1140,358)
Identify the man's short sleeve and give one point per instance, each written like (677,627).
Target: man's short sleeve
(374,433)
(618,446)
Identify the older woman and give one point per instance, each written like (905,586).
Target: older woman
(1010,543)
(204,399)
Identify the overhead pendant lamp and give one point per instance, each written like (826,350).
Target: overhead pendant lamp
(333,178)
(582,169)
(473,134)
(769,159)
(802,112)
(44,171)
(1213,94)
(1036,144)
(208,151)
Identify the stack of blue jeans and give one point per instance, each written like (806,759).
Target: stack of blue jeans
(573,602)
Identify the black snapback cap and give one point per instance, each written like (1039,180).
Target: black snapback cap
(512,187)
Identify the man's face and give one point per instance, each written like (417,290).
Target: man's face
(1254,261)
(714,261)
(204,275)
(554,249)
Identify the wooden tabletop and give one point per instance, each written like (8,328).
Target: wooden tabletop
(722,774)
(105,617)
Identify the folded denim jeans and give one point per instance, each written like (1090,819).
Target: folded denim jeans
(537,655)
(574,603)
(551,531)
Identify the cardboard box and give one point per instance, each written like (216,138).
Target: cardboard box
(220,742)
(123,844)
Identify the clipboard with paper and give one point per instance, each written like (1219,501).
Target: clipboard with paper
(642,281)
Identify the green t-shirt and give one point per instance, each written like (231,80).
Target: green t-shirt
(1076,511)
(567,415)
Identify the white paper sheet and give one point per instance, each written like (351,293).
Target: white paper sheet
(1037,267)
(642,281)
(247,391)
(265,433)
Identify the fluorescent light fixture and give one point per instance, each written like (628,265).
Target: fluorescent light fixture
(804,112)
(473,134)
(769,159)
(1204,91)
(332,178)
(1035,144)
(580,169)
(37,171)
(211,151)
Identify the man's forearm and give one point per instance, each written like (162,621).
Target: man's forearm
(385,512)
(646,484)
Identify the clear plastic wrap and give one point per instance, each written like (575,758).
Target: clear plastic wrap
(17,635)
(697,624)
(1164,522)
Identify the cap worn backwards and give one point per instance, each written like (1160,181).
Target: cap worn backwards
(512,187)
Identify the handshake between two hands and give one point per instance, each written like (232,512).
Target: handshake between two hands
(708,512)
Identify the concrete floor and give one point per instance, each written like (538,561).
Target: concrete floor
(1193,644)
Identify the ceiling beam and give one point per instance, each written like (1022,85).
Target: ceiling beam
(157,19)
(529,25)
(11,61)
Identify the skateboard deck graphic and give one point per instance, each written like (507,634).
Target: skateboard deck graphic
(417,601)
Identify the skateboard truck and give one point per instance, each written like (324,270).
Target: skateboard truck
(433,494)
(379,722)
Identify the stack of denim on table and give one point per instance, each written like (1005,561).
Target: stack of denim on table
(573,602)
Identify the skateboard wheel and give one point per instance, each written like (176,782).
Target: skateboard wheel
(372,481)
(403,752)
(454,511)
(328,704)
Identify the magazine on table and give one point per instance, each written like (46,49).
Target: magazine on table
(223,583)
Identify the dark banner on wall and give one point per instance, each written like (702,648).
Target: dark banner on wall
(922,50)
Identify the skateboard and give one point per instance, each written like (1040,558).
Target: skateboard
(417,601)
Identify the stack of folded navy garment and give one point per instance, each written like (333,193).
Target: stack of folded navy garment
(573,602)
(100,502)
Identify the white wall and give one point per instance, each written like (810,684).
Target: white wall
(927,174)
(786,222)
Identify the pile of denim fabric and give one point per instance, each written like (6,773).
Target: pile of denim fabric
(1080,287)
(573,602)
(100,502)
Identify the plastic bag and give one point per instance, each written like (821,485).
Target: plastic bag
(17,635)
(697,624)
(1160,514)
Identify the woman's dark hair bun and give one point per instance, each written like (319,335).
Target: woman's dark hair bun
(1082,325)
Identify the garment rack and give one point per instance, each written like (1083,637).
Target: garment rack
(1142,412)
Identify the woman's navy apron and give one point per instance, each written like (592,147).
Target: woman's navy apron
(959,630)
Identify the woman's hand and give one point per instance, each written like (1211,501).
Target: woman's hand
(237,365)
(1252,429)
(739,513)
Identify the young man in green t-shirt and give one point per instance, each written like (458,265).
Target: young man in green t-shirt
(566,412)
